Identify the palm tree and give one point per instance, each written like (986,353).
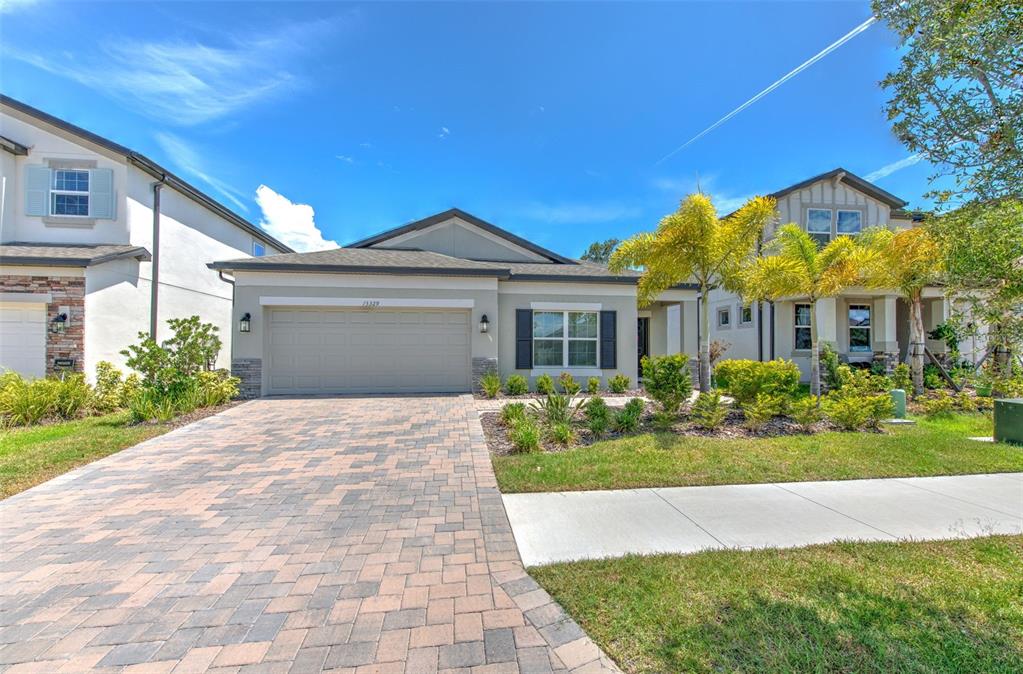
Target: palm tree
(692,245)
(799,269)
(908,261)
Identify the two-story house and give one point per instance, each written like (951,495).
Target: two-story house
(862,325)
(99,243)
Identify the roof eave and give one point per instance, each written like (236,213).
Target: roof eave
(356,269)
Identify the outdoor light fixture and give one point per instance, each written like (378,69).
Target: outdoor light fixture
(245,324)
(58,324)
(484,324)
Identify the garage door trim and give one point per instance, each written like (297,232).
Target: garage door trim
(383,302)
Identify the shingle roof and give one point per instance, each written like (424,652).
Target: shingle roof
(853,180)
(365,260)
(68,255)
(582,271)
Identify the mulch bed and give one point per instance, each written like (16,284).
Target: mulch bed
(631,393)
(194,415)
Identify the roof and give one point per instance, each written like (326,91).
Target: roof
(850,179)
(145,164)
(467,217)
(12,146)
(68,255)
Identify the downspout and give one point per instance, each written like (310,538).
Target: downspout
(760,311)
(771,304)
(154,293)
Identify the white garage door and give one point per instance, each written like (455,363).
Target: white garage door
(359,351)
(23,338)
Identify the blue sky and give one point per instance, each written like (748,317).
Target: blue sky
(546,119)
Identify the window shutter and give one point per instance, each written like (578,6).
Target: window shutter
(523,339)
(37,190)
(608,340)
(101,194)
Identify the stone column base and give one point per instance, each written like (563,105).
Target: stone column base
(889,359)
(480,367)
(250,371)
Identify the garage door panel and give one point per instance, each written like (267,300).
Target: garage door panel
(23,338)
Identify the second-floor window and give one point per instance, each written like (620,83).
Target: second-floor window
(818,225)
(823,224)
(70,193)
(258,249)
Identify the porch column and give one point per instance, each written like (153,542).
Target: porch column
(827,321)
(690,319)
(884,332)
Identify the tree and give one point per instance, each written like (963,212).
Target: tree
(796,267)
(600,251)
(692,245)
(908,261)
(957,97)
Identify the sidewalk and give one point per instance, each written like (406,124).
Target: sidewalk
(553,527)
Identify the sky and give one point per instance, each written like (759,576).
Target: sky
(328,122)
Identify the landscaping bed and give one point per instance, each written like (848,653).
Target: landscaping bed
(949,606)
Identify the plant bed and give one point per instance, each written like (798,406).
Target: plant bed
(533,395)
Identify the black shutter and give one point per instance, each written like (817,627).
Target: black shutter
(523,339)
(608,340)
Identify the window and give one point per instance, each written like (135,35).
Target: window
(850,222)
(724,317)
(258,249)
(818,225)
(746,315)
(565,338)
(70,192)
(859,328)
(803,338)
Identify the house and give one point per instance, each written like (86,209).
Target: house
(863,325)
(99,243)
(432,305)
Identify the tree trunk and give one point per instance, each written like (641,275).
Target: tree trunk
(916,344)
(704,356)
(815,355)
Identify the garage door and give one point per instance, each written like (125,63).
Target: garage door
(23,338)
(359,351)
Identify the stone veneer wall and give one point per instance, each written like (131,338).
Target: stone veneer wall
(65,291)
(481,366)
(250,371)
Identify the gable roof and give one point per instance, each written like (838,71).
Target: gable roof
(471,219)
(145,164)
(850,179)
(68,255)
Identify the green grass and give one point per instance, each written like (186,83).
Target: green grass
(951,606)
(31,455)
(932,447)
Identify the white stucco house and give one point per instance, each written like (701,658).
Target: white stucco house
(99,243)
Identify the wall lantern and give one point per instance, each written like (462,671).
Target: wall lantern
(484,324)
(245,324)
(58,324)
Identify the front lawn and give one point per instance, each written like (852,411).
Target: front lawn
(34,454)
(951,606)
(931,447)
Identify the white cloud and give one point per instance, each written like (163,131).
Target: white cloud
(345,158)
(889,169)
(579,213)
(189,161)
(292,223)
(725,201)
(8,6)
(444,132)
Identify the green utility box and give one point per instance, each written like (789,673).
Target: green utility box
(1009,420)
(899,401)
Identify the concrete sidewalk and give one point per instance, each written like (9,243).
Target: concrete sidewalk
(553,527)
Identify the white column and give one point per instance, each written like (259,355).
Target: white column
(827,320)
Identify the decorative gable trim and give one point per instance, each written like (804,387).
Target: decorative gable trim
(468,227)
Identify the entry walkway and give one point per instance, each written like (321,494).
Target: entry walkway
(553,527)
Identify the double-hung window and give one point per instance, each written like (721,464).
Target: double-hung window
(859,328)
(849,223)
(818,225)
(565,338)
(70,192)
(803,338)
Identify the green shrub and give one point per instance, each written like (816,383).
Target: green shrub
(668,380)
(940,406)
(598,416)
(805,412)
(708,412)
(763,409)
(513,412)
(558,409)
(879,406)
(619,383)
(932,377)
(901,378)
(215,388)
(490,384)
(627,419)
(130,388)
(563,434)
(525,435)
(593,385)
(544,384)
(744,380)
(663,421)
(167,367)
(568,384)
(829,366)
(70,396)
(23,402)
(148,405)
(516,385)
(846,411)
(965,402)
(107,394)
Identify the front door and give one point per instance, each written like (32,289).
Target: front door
(643,342)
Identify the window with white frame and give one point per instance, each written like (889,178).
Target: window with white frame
(724,317)
(746,315)
(258,249)
(70,192)
(818,225)
(859,328)
(849,223)
(803,338)
(565,338)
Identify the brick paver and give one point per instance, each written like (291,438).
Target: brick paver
(283,535)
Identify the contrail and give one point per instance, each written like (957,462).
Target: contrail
(785,78)
(889,169)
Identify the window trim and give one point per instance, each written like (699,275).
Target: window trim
(55,192)
(565,339)
(848,210)
(724,311)
(261,245)
(796,327)
(869,328)
(742,308)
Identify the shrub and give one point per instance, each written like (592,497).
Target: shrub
(23,402)
(668,380)
(708,411)
(513,412)
(598,416)
(932,377)
(516,385)
(627,419)
(663,421)
(544,384)
(940,406)
(149,405)
(568,384)
(619,383)
(70,396)
(845,411)
(747,379)
(167,367)
(490,384)
(763,409)
(879,407)
(965,402)
(130,388)
(805,412)
(107,394)
(216,388)
(829,366)
(557,408)
(562,433)
(525,435)
(901,378)
(593,385)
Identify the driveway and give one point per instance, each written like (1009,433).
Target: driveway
(283,535)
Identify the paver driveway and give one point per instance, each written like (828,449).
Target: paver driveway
(284,535)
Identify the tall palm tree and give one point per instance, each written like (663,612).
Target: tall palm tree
(796,268)
(908,261)
(693,245)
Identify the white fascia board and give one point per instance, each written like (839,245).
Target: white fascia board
(367,302)
(246,278)
(566,288)
(565,306)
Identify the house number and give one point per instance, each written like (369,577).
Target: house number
(370,304)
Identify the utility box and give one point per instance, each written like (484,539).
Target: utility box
(1009,420)
(899,402)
